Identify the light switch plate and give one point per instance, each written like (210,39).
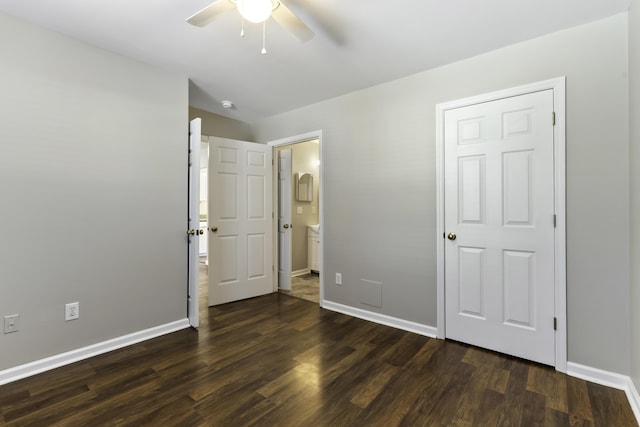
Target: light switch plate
(299,210)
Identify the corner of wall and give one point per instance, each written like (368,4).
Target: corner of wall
(634,187)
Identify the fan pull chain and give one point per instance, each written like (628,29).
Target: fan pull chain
(264,38)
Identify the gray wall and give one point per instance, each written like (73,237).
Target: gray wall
(634,159)
(93,190)
(380,192)
(220,126)
(304,157)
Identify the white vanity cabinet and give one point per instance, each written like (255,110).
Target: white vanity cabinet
(313,248)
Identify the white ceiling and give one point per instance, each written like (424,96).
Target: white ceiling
(358,43)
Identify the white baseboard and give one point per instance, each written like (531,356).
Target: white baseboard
(62,359)
(300,272)
(609,379)
(383,319)
(634,399)
(598,376)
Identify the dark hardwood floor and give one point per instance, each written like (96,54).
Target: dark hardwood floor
(282,361)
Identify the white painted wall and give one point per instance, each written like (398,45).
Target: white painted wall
(634,161)
(379,178)
(92,168)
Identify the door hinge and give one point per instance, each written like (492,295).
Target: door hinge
(555,323)
(553,118)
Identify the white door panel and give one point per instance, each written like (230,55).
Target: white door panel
(240,235)
(499,201)
(193,225)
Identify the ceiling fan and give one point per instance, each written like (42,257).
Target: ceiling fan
(256,11)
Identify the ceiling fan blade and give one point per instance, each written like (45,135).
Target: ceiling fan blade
(290,22)
(209,13)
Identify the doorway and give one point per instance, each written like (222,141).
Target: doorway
(501,222)
(298,221)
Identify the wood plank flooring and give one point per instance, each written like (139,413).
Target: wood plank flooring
(282,361)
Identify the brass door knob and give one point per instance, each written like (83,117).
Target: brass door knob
(285,226)
(451,236)
(214,229)
(201,232)
(191,232)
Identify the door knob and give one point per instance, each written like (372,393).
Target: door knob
(451,236)
(191,232)
(214,229)
(201,232)
(285,226)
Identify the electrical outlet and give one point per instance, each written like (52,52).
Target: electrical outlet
(11,323)
(71,311)
(338,278)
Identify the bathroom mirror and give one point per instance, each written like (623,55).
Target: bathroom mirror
(304,187)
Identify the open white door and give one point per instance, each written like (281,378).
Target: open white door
(284,219)
(499,220)
(193,229)
(240,220)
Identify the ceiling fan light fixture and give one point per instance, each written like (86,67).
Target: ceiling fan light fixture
(255,11)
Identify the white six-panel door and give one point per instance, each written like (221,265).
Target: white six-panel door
(499,221)
(240,220)
(284,218)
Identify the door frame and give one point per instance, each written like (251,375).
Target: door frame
(317,134)
(559,167)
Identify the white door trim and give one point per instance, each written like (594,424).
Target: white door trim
(558,87)
(317,134)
